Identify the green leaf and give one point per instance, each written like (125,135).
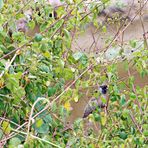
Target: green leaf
(51,91)
(137,141)
(103,100)
(58,24)
(67,74)
(44,128)
(145,133)
(2,48)
(97,116)
(12,84)
(132,96)
(58,43)
(77,55)
(133,43)
(115,88)
(1,3)
(43,48)
(47,54)
(38,37)
(14,142)
(125,113)
(104,29)
(67,34)
(1,134)
(84,59)
(39,123)
(31,24)
(114,98)
(103,118)
(132,130)
(105,1)
(48,118)
(123,135)
(44,68)
(6,127)
(123,99)
(76,98)
(43,26)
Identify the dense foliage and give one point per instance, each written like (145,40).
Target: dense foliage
(41,75)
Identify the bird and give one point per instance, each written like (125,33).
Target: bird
(94,103)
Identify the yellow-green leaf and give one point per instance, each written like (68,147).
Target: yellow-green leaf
(47,54)
(6,127)
(67,106)
(76,98)
(39,123)
(103,118)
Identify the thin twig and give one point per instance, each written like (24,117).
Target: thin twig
(24,45)
(136,124)
(35,137)
(120,32)
(9,64)
(144,32)
(134,90)
(30,117)
(17,12)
